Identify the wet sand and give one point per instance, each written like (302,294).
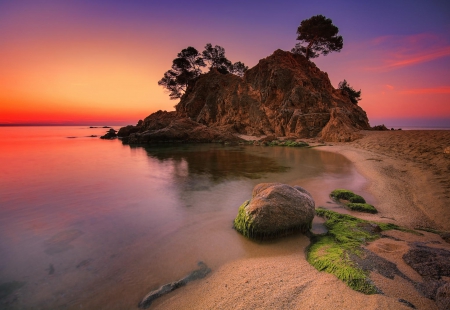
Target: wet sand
(409,178)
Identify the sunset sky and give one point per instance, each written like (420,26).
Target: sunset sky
(98,62)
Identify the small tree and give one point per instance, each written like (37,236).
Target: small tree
(215,56)
(186,67)
(189,63)
(354,95)
(239,69)
(317,35)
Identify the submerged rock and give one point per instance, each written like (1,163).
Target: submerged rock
(165,289)
(275,209)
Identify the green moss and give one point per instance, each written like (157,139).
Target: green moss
(362,207)
(346,235)
(355,202)
(327,255)
(242,222)
(357,199)
(342,194)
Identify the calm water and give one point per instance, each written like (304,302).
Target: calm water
(88,223)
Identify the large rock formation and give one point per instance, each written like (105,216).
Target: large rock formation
(283,95)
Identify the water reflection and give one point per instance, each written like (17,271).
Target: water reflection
(100,224)
(215,162)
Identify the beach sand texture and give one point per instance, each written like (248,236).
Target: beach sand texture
(409,177)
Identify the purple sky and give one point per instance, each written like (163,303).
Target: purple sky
(99,61)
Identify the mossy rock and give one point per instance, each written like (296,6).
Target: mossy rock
(242,222)
(346,235)
(342,194)
(362,207)
(275,210)
(352,201)
(357,199)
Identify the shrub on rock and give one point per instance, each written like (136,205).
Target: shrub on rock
(275,209)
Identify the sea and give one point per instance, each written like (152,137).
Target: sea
(87,223)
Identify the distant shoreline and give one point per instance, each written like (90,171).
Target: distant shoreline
(60,125)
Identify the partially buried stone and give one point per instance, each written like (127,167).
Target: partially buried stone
(199,273)
(275,209)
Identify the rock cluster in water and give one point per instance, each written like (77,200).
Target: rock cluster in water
(110,134)
(283,95)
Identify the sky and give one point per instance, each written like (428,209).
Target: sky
(98,62)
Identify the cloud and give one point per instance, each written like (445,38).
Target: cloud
(427,91)
(389,86)
(407,60)
(393,52)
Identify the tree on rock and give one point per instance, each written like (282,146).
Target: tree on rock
(215,56)
(239,68)
(185,68)
(317,35)
(354,95)
(189,63)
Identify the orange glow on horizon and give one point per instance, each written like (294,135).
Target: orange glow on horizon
(57,67)
(48,82)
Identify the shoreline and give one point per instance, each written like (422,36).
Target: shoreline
(409,190)
(408,174)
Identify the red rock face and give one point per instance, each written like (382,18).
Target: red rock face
(283,95)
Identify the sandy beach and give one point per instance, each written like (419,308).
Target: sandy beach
(409,177)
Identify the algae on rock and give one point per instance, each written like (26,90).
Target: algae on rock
(346,235)
(275,209)
(242,222)
(352,201)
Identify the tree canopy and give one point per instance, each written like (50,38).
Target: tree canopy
(215,56)
(317,35)
(354,95)
(189,63)
(186,67)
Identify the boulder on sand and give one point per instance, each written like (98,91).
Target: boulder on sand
(275,209)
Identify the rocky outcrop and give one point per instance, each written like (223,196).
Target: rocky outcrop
(380,128)
(275,209)
(340,127)
(433,264)
(428,262)
(182,130)
(110,134)
(283,95)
